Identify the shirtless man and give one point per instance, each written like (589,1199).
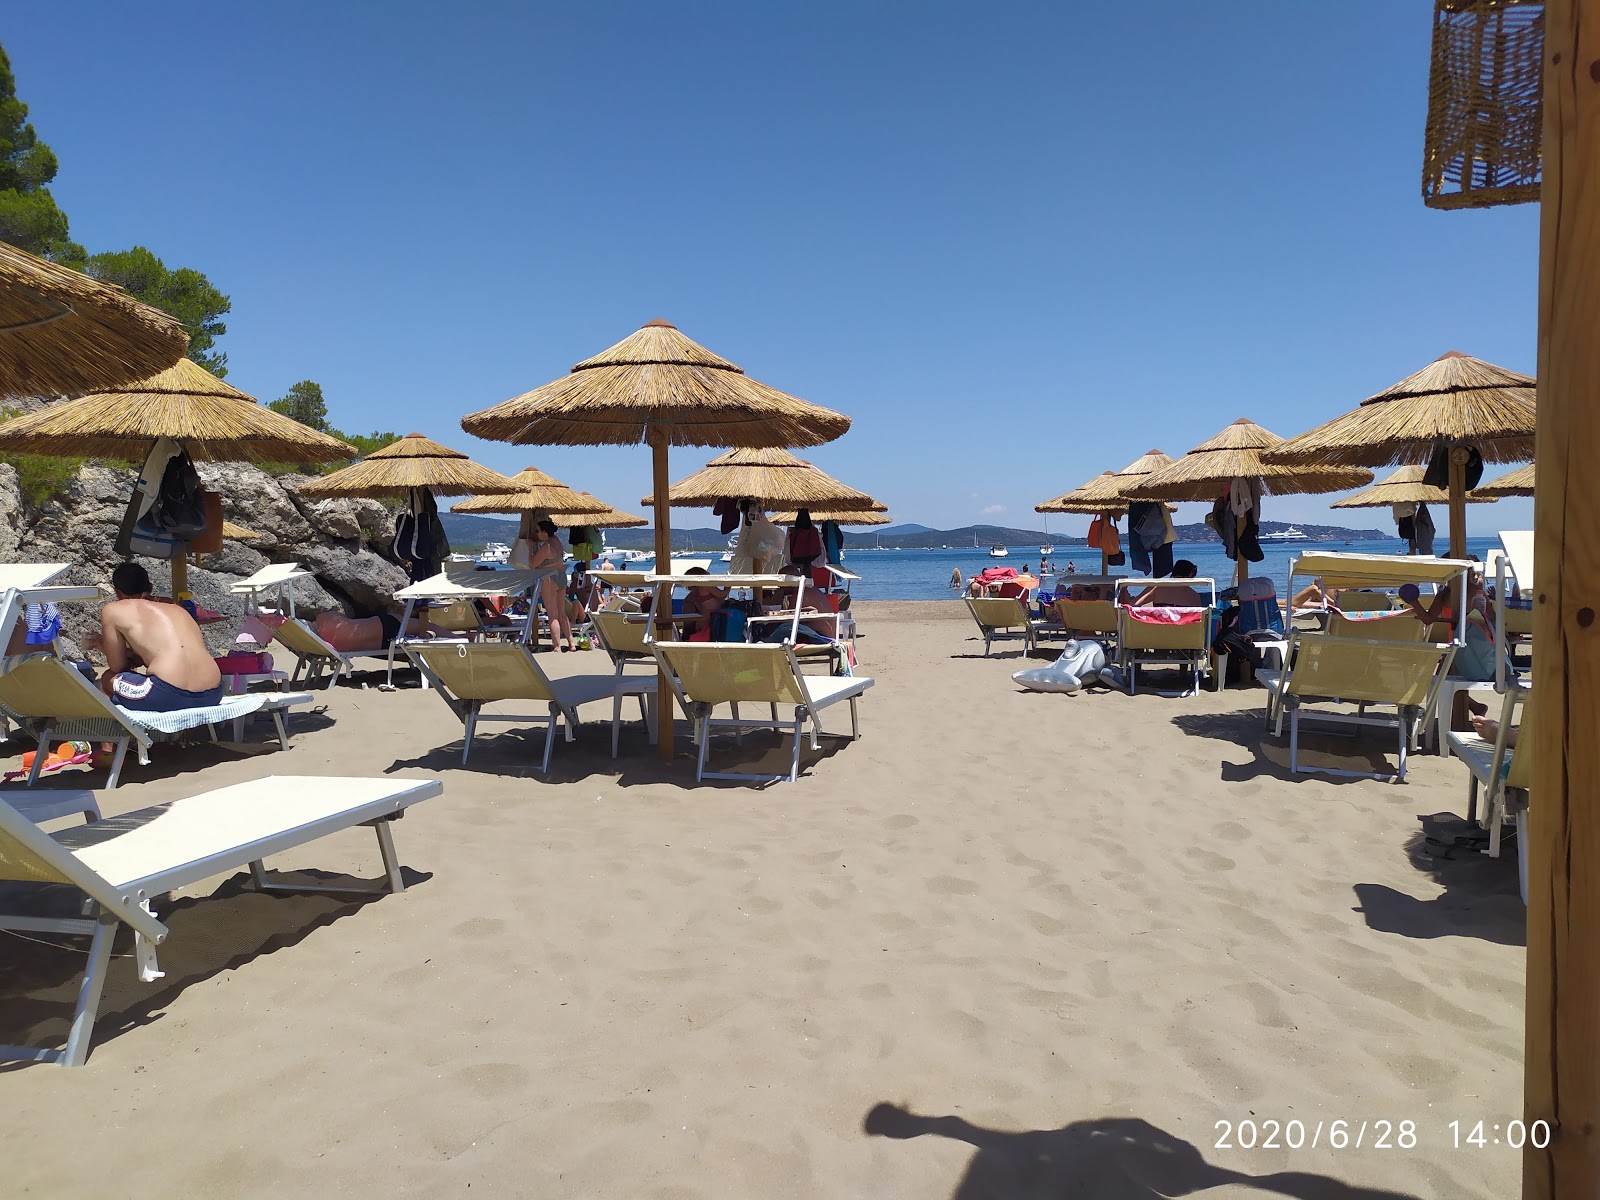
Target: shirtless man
(180,672)
(1174,595)
(370,633)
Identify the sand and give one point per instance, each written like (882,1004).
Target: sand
(1062,936)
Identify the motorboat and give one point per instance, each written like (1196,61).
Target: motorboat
(495,554)
(1292,534)
(999,552)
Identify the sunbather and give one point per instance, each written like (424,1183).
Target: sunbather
(817,629)
(1310,596)
(179,670)
(1174,595)
(1489,729)
(370,633)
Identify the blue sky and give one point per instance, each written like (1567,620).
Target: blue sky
(1019,244)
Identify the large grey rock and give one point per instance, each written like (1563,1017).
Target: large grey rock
(11,514)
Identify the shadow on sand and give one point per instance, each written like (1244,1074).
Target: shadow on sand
(1270,756)
(1106,1159)
(1482,897)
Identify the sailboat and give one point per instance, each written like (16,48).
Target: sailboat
(1046,550)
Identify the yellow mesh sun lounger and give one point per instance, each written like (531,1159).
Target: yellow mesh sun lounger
(48,699)
(88,879)
(997,616)
(1324,669)
(706,674)
(470,675)
(313,656)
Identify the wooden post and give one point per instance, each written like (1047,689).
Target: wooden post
(1458,523)
(1562,1061)
(180,576)
(664,699)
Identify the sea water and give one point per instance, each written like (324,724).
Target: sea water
(925,574)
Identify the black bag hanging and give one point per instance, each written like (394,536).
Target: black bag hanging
(179,508)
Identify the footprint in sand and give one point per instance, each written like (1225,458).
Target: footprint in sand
(1232,831)
(899,821)
(493,1079)
(1210,861)
(1045,924)
(949,885)
(480,927)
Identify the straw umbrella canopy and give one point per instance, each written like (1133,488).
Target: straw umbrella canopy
(185,403)
(612,518)
(62,333)
(1512,483)
(1236,453)
(879,515)
(1402,486)
(1457,402)
(664,389)
(238,533)
(538,492)
(773,476)
(412,463)
(1077,500)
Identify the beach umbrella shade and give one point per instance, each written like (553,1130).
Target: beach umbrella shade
(612,518)
(1107,491)
(1456,402)
(538,492)
(1402,486)
(662,388)
(1512,483)
(1236,454)
(414,462)
(186,403)
(1077,500)
(62,333)
(238,533)
(773,476)
(879,515)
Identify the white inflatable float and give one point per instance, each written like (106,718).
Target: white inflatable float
(1080,663)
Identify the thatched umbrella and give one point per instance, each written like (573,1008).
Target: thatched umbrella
(659,387)
(878,515)
(238,533)
(62,333)
(1403,485)
(1512,483)
(773,476)
(1107,493)
(185,403)
(1236,454)
(1077,500)
(412,463)
(611,518)
(1456,402)
(537,491)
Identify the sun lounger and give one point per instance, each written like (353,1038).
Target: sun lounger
(48,700)
(997,616)
(1385,627)
(89,878)
(1364,671)
(1153,636)
(705,674)
(470,675)
(1093,618)
(1493,767)
(314,657)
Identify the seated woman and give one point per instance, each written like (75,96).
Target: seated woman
(699,606)
(583,592)
(352,634)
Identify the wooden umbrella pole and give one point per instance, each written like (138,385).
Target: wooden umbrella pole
(180,576)
(1561,1073)
(664,700)
(1458,520)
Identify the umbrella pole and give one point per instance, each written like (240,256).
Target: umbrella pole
(664,699)
(180,576)
(1562,1069)
(1458,520)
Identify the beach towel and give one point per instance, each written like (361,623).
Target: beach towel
(1156,614)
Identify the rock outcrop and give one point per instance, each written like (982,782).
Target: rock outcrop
(343,542)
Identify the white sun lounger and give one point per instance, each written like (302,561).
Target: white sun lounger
(109,870)
(705,674)
(49,699)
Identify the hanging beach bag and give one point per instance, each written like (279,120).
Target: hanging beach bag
(179,509)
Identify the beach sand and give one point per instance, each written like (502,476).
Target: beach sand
(1063,936)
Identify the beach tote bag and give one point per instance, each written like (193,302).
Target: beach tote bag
(179,508)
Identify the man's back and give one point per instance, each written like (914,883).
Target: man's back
(165,637)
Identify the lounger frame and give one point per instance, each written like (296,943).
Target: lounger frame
(56,861)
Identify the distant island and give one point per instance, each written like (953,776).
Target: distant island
(468,532)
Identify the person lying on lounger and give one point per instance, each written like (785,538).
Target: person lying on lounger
(1488,729)
(179,670)
(352,634)
(1174,595)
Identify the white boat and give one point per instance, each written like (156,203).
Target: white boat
(495,554)
(1046,551)
(460,558)
(998,552)
(733,544)
(1292,534)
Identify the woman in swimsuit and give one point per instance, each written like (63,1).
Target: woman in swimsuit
(545,550)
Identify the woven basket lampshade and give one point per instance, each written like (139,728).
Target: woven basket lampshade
(1402,486)
(878,516)
(403,466)
(186,403)
(774,477)
(62,333)
(537,491)
(1512,483)
(1485,104)
(1236,453)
